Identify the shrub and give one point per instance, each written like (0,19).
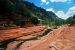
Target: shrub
(34,20)
(20,23)
(71,20)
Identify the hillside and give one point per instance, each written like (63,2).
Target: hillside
(46,17)
(20,12)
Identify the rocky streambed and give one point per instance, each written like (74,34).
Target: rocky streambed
(16,43)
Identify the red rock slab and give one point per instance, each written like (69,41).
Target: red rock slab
(60,39)
(12,45)
(43,43)
(16,33)
(26,37)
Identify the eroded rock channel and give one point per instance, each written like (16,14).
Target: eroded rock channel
(17,43)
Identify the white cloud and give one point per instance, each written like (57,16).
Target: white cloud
(69,13)
(47,3)
(62,15)
(60,0)
(50,9)
(44,1)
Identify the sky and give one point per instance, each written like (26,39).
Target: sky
(62,8)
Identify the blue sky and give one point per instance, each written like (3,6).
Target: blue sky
(62,8)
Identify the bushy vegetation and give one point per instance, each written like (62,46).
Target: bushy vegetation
(71,20)
(20,23)
(34,20)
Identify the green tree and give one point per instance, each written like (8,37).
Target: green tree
(34,20)
(71,20)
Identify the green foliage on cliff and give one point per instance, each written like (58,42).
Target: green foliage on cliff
(21,10)
(71,20)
